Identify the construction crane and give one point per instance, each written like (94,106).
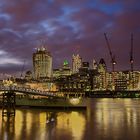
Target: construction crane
(132,63)
(113,62)
(131,54)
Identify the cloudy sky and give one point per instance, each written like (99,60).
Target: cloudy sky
(69,27)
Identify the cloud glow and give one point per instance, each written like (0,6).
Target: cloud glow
(66,24)
(6,61)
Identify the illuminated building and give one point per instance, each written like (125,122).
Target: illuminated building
(66,71)
(56,73)
(76,63)
(80,81)
(101,78)
(134,80)
(94,64)
(44,86)
(84,75)
(42,64)
(85,65)
(124,80)
(62,72)
(120,79)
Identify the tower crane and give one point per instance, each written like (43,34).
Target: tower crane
(131,62)
(131,54)
(113,62)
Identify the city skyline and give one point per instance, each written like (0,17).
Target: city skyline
(68,28)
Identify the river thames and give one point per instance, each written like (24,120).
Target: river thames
(104,119)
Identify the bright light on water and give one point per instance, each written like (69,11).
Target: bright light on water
(104,119)
(74,101)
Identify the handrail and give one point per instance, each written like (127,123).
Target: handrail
(29,91)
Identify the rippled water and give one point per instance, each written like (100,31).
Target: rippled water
(109,119)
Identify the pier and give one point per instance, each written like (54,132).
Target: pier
(9,94)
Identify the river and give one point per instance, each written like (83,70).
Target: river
(104,119)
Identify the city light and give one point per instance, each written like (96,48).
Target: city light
(74,101)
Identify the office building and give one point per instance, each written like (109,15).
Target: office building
(42,64)
(76,63)
(101,78)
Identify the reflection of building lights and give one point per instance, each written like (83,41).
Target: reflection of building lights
(74,101)
(74,123)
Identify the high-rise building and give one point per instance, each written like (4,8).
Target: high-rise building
(102,65)
(101,78)
(76,63)
(42,63)
(134,80)
(62,72)
(94,64)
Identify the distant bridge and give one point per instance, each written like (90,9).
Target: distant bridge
(30,91)
(8,94)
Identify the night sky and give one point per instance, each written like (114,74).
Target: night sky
(68,27)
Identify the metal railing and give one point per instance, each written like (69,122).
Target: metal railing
(30,91)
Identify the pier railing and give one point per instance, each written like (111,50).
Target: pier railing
(30,91)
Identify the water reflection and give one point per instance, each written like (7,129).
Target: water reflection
(43,124)
(103,119)
(8,128)
(113,119)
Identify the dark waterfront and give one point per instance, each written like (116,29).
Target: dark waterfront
(110,119)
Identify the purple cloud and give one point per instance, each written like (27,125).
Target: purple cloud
(68,27)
